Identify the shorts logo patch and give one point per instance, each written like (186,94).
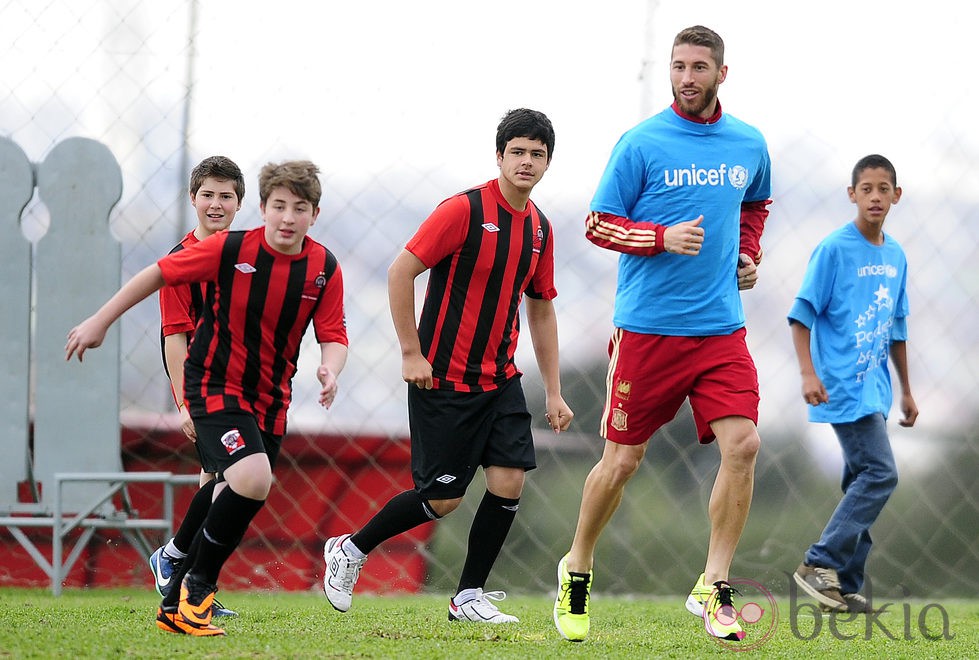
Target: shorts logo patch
(620,420)
(446,479)
(623,389)
(232,441)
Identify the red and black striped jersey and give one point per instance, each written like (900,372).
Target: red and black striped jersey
(483,256)
(244,352)
(181,305)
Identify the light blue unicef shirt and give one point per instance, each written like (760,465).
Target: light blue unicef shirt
(854,301)
(668,170)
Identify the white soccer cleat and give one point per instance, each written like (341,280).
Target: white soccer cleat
(480,609)
(341,574)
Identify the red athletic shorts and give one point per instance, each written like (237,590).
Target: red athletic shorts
(649,376)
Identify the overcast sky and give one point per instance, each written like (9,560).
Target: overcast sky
(363,84)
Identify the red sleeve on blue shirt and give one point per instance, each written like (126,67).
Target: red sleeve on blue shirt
(753,216)
(613,232)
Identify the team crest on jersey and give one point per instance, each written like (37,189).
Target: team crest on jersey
(320,280)
(247,269)
(620,420)
(623,389)
(538,240)
(490,227)
(738,176)
(232,441)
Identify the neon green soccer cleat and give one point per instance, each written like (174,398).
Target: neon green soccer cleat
(698,596)
(571,604)
(720,615)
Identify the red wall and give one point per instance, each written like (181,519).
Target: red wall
(324,485)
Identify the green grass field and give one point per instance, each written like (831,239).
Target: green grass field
(119,623)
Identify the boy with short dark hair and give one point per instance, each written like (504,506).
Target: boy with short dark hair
(269,284)
(485,248)
(216,190)
(849,314)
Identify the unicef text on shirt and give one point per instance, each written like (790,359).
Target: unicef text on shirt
(877,269)
(700,176)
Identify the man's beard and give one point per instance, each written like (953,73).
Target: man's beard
(707,99)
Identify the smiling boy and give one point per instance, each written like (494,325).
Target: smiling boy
(269,284)
(216,190)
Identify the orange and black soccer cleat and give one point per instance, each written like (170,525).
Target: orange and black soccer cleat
(196,599)
(169,620)
(164,620)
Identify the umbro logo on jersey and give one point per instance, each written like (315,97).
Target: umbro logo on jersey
(245,268)
(490,227)
(446,479)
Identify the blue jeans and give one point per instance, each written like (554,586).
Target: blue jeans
(869,478)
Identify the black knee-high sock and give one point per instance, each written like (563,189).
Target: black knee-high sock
(489,530)
(194,518)
(172,599)
(404,511)
(226,524)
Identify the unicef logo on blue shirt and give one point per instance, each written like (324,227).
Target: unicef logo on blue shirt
(738,176)
(706,176)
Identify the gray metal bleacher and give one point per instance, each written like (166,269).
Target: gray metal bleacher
(70,482)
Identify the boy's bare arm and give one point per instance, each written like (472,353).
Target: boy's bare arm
(813,390)
(542,321)
(175,352)
(899,358)
(415,369)
(333,357)
(91,332)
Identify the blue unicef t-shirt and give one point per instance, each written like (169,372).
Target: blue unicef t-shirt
(669,170)
(854,301)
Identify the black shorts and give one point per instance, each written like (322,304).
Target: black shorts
(226,437)
(453,433)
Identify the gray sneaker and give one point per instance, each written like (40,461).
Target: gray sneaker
(823,584)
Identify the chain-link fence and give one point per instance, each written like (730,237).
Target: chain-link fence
(398,104)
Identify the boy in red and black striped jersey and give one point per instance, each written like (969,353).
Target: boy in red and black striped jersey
(266,286)
(485,248)
(216,189)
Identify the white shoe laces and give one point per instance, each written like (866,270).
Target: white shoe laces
(347,569)
(829,576)
(481,607)
(484,598)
